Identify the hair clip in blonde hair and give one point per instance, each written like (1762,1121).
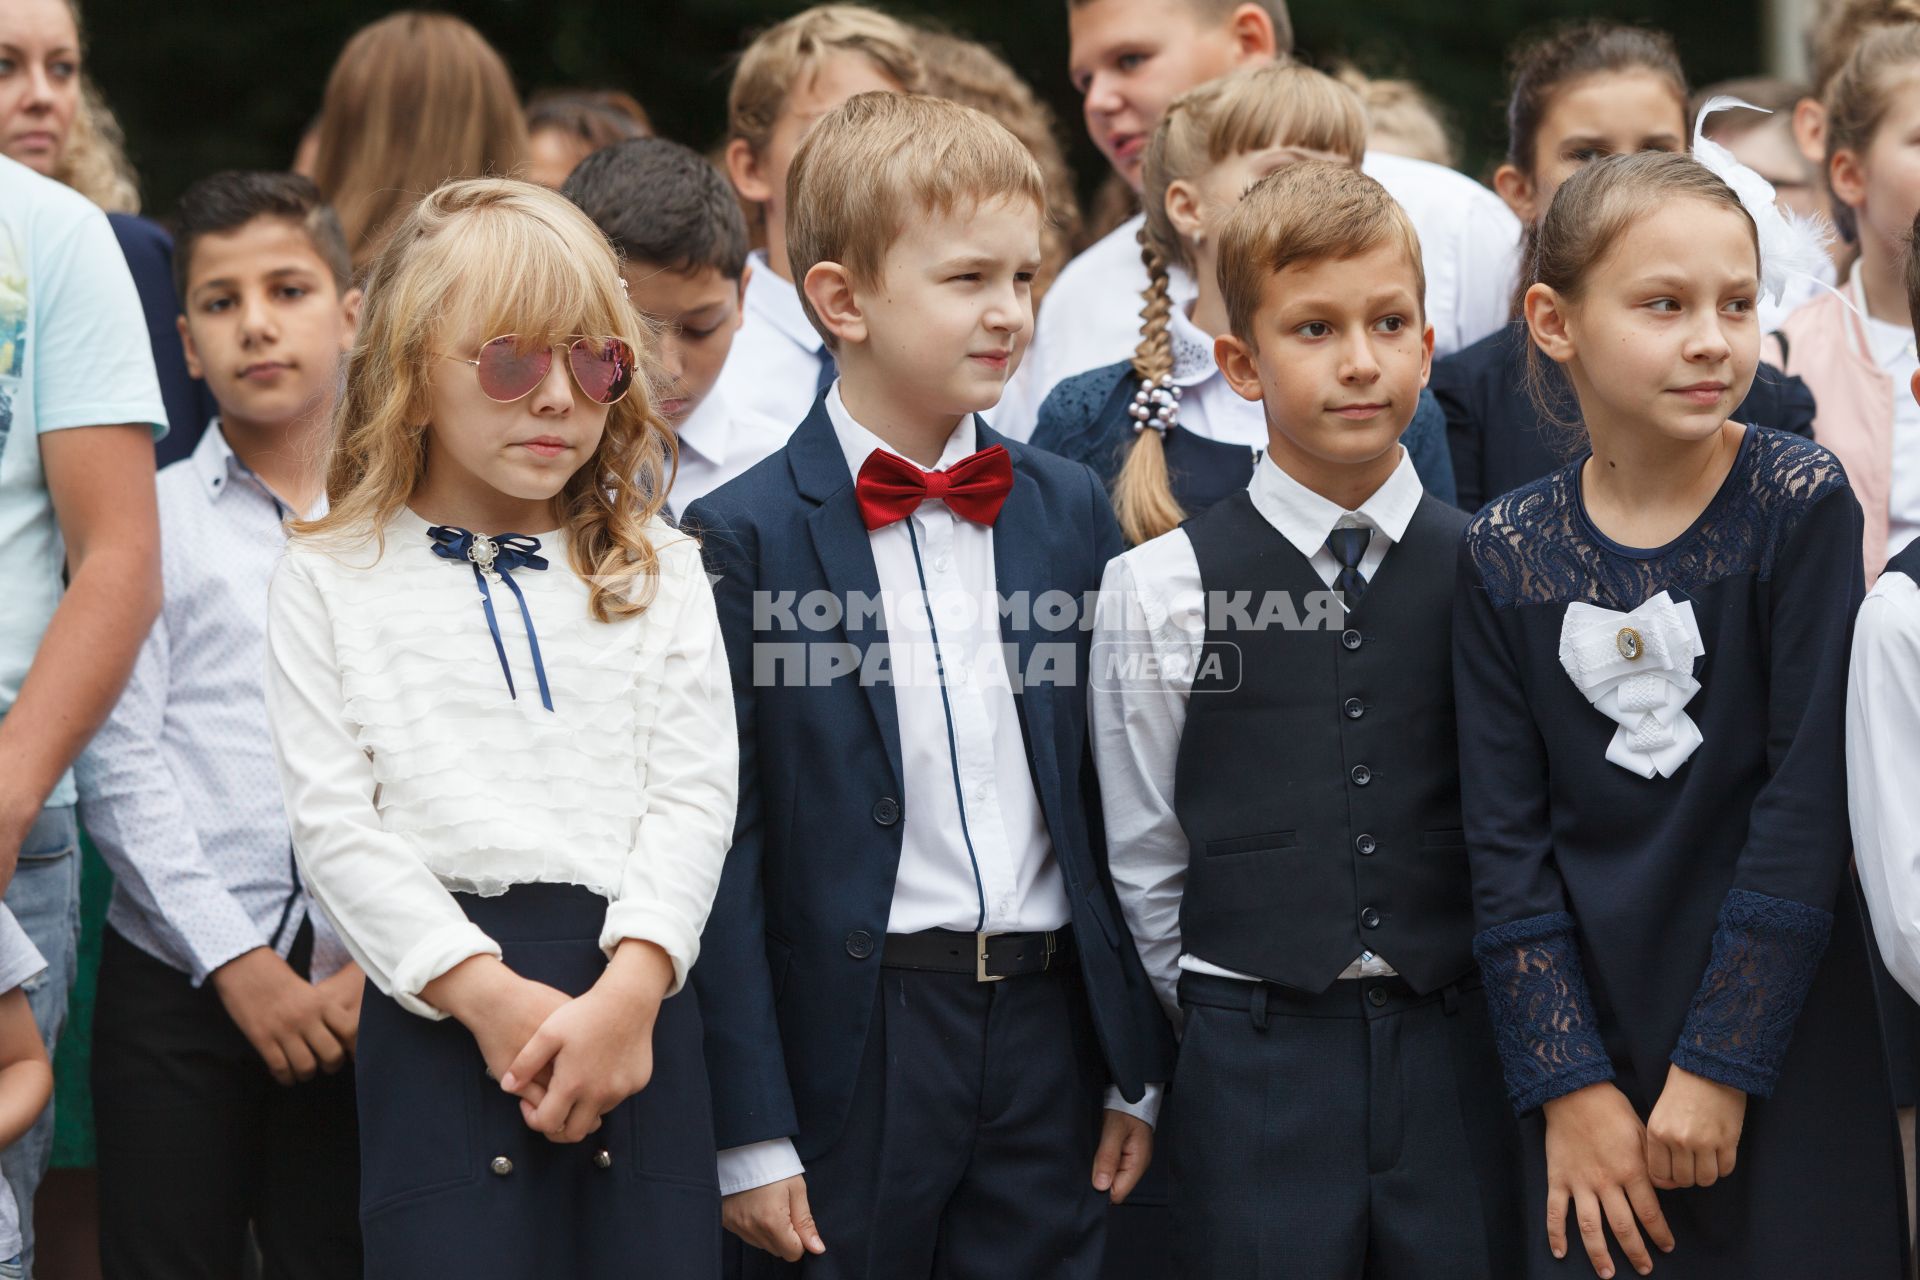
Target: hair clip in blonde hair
(1156,404)
(1790,245)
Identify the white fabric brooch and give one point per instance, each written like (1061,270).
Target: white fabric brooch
(1637,668)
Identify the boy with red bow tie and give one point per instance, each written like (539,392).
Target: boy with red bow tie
(932,1044)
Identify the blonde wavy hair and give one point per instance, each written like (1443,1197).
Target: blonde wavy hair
(1281,104)
(506,257)
(94,162)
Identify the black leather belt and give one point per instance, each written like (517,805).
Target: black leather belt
(987,957)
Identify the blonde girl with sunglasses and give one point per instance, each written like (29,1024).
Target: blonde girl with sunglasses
(502,715)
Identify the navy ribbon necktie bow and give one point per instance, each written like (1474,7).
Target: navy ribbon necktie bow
(500,554)
(1349,547)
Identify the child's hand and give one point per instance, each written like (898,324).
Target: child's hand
(774,1218)
(1694,1131)
(340,1003)
(282,1015)
(599,1047)
(1126,1148)
(1596,1156)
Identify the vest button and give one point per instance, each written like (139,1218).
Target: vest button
(603,1159)
(501,1165)
(1370,918)
(1361,775)
(1376,996)
(886,811)
(859,944)
(1365,844)
(1350,638)
(1354,708)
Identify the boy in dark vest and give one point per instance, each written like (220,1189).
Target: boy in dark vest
(1272,711)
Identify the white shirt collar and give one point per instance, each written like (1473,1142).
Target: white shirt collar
(778,302)
(1304,518)
(707,431)
(213,459)
(857,443)
(1193,360)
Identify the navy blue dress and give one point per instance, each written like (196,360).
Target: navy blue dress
(1499,440)
(1085,418)
(1707,918)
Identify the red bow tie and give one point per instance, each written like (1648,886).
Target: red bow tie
(975,488)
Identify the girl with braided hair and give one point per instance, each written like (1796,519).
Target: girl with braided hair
(1163,428)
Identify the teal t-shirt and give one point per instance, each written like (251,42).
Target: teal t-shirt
(73,353)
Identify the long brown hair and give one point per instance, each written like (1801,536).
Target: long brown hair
(415,100)
(516,258)
(1857,101)
(1545,65)
(1279,104)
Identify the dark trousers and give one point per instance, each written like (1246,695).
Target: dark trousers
(1358,1133)
(454,1184)
(968,1151)
(197,1142)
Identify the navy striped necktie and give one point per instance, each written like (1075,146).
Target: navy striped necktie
(1349,547)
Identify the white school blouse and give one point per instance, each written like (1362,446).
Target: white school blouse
(410,772)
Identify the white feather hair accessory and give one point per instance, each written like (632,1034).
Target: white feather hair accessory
(1790,245)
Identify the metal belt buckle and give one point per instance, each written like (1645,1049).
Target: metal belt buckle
(980,973)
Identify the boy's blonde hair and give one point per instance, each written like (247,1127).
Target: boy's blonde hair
(1307,213)
(781,54)
(879,159)
(507,257)
(1279,104)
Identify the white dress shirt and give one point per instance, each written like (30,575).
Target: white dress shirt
(969,803)
(1883,738)
(409,771)
(1470,249)
(716,446)
(1152,600)
(1208,406)
(179,789)
(772,371)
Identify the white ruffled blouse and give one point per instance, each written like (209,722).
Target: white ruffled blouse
(410,772)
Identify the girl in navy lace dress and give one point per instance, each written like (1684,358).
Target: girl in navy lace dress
(1650,652)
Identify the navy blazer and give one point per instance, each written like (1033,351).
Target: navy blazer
(790,961)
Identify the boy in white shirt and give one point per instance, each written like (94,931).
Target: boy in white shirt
(790,76)
(683,249)
(228,1007)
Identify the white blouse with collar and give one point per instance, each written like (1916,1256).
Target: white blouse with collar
(410,772)
(1209,407)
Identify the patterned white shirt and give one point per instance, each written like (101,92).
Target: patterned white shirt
(179,788)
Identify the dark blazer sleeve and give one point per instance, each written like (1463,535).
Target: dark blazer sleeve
(1453,388)
(1779,400)
(1426,443)
(148,250)
(752,1100)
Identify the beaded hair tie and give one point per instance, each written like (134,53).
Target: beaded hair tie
(1156,404)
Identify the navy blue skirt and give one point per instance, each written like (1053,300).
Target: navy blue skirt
(453,1183)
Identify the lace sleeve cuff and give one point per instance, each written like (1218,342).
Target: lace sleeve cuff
(1765,952)
(1543,1017)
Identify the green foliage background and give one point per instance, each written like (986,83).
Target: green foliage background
(206,84)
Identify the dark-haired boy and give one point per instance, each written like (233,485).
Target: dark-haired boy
(227,1007)
(678,226)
